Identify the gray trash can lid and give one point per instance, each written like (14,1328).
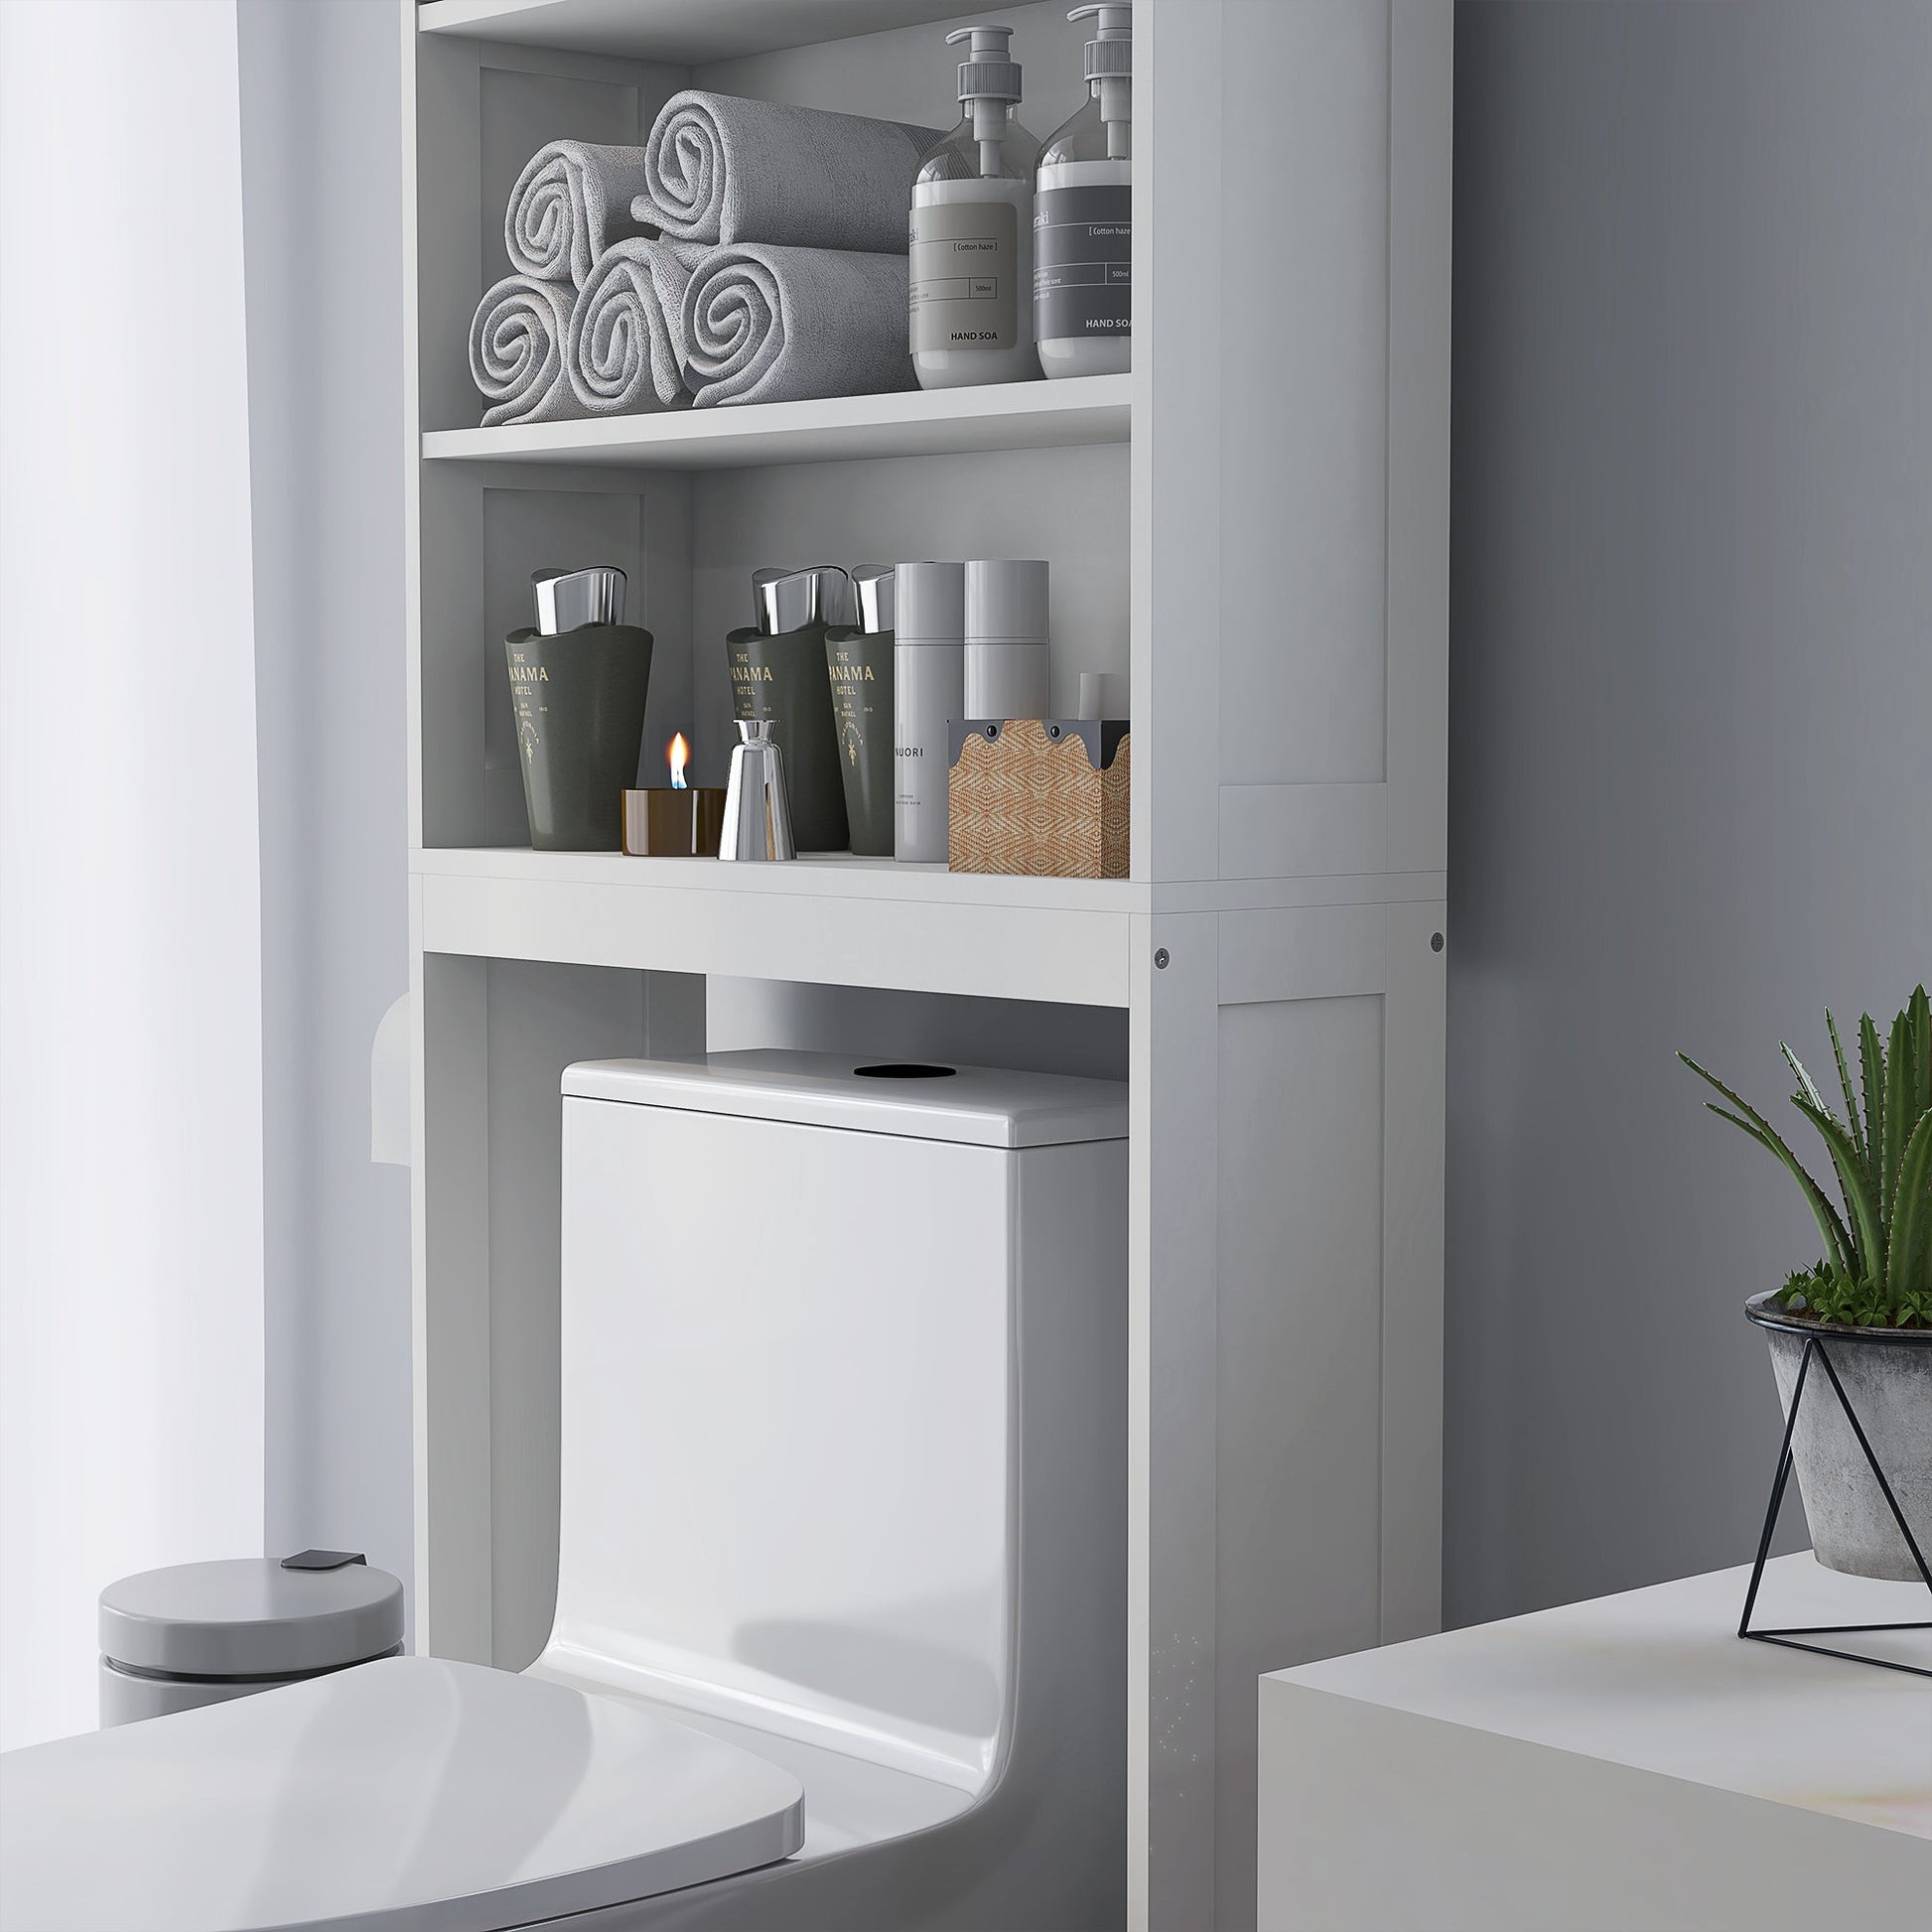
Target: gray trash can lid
(251,1617)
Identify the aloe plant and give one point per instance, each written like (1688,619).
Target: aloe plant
(1876,1270)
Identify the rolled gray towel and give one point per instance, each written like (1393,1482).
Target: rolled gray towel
(778,325)
(626,349)
(570,203)
(517,351)
(718,168)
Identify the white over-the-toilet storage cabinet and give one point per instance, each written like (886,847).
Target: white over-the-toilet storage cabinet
(1253,525)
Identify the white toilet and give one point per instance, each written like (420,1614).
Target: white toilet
(840,1627)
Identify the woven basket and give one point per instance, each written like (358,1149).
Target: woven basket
(1043,797)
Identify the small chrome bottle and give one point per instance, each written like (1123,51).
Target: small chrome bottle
(758,814)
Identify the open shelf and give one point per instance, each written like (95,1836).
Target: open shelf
(685,32)
(1073,411)
(831,918)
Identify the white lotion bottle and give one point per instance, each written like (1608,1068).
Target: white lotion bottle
(1007,662)
(1084,213)
(929,693)
(970,273)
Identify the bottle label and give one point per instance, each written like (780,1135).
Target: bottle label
(929,691)
(965,257)
(1083,264)
(859,698)
(754,688)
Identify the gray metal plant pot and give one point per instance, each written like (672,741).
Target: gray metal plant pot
(1887,1377)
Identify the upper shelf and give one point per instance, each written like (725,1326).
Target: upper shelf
(684,33)
(909,422)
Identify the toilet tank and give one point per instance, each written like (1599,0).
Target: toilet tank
(793,1476)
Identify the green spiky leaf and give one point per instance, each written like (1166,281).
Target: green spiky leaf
(1921,1011)
(1871,1077)
(1854,1124)
(1911,1219)
(1808,1086)
(1900,1080)
(1838,1244)
(1855,1184)
(1878,1266)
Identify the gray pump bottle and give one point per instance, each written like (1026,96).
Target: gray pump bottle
(1083,214)
(971,268)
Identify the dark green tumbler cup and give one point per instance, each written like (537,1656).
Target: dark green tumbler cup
(859,666)
(579,699)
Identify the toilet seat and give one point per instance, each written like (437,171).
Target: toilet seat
(412,1794)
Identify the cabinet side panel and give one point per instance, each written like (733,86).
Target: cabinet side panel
(1072,1661)
(541,1018)
(1178,381)
(450,1135)
(1303,353)
(1416,982)
(448,229)
(1170,1430)
(1298,1501)
(1422,90)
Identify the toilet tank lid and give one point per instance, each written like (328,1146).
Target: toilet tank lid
(975,1105)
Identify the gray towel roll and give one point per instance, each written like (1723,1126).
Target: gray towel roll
(778,325)
(517,351)
(570,203)
(718,168)
(626,349)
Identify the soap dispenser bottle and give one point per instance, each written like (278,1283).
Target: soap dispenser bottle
(1084,213)
(971,270)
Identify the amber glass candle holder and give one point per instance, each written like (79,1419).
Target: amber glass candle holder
(674,821)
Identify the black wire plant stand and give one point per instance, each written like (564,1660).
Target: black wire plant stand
(1792,1638)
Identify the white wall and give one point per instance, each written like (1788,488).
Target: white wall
(322,150)
(1690,703)
(130,1065)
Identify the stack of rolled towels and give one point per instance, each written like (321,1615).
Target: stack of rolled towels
(748,252)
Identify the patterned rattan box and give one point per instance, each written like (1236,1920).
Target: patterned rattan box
(1046,797)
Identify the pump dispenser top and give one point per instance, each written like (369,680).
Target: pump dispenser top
(989,85)
(1110,69)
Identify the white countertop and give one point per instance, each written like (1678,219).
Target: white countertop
(1625,1764)
(1658,1680)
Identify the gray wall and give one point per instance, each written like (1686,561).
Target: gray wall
(323,229)
(1691,792)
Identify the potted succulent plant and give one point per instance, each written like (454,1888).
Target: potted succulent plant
(1866,1305)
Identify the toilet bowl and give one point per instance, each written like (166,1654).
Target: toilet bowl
(840,1617)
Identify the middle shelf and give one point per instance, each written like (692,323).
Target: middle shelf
(1068,413)
(839,920)
(831,918)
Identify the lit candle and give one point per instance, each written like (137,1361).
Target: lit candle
(675,821)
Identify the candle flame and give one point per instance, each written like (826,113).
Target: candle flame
(679,753)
